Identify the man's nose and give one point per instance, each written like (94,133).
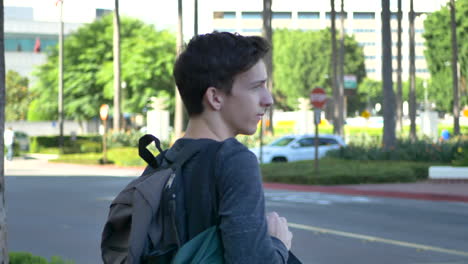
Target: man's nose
(267,99)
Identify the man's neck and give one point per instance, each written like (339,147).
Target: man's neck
(199,127)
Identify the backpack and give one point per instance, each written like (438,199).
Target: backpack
(141,224)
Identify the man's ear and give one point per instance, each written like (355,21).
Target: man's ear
(213,98)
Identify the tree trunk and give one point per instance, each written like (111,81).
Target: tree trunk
(399,98)
(412,76)
(179,114)
(456,95)
(117,88)
(3,227)
(60,80)
(389,140)
(341,96)
(195,18)
(337,129)
(267,33)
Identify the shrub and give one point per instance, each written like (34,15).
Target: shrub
(334,171)
(28,258)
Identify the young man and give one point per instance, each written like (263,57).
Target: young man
(221,78)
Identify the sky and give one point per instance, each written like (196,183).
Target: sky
(163,13)
(160,12)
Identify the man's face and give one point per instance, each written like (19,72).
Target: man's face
(245,106)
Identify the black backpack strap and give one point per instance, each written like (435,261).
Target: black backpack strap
(145,154)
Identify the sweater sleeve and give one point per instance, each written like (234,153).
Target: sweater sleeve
(243,226)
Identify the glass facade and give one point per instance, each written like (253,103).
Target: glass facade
(26,43)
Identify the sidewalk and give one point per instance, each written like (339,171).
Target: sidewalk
(427,190)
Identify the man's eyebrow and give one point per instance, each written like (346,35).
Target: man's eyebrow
(258,81)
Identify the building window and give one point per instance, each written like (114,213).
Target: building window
(370,70)
(394,15)
(369,57)
(224,15)
(366,43)
(338,15)
(225,30)
(102,12)
(419,30)
(363,15)
(282,15)
(363,30)
(23,43)
(308,15)
(422,70)
(252,30)
(252,15)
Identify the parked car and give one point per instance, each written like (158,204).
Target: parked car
(298,147)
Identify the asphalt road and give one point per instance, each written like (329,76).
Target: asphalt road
(64,216)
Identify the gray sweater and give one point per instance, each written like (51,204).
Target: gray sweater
(241,211)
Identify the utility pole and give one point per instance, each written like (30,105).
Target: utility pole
(399,99)
(3,220)
(60,79)
(456,95)
(341,96)
(178,115)
(267,33)
(117,88)
(412,76)
(337,129)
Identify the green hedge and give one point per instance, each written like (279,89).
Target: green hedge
(421,150)
(333,171)
(28,258)
(78,144)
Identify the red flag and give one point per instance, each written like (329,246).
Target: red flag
(37,46)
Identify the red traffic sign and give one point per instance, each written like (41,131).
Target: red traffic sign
(104,111)
(318,97)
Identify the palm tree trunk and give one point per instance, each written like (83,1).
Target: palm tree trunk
(337,129)
(117,88)
(179,115)
(456,95)
(341,96)
(412,76)
(399,99)
(195,18)
(267,33)
(389,140)
(3,227)
(60,80)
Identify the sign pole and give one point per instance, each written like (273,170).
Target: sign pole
(317,122)
(104,142)
(318,98)
(103,113)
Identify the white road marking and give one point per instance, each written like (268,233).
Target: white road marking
(378,239)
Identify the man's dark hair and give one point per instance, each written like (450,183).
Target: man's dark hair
(213,60)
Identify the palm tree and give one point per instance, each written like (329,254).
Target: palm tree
(389,140)
(399,98)
(337,128)
(3,234)
(117,89)
(456,95)
(178,115)
(412,76)
(341,96)
(267,34)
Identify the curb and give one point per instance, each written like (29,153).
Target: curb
(379,193)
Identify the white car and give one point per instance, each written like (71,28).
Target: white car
(298,147)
